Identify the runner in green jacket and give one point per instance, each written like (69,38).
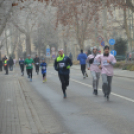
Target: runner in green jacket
(29,66)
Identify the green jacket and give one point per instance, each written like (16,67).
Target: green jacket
(29,63)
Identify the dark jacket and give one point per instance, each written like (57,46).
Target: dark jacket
(62,65)
(10,62)
(1,63)
(21,62)
(36,60)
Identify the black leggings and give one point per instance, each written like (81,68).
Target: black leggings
(64,81)
(83,68)
(29,71)
(37,68)
(44,75)
(22,68)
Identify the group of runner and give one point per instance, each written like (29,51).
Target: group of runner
(29,63)
(98,64)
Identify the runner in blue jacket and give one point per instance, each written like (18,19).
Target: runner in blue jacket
(43,70)
(82,57)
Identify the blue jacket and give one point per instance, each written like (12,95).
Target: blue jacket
(43,67)
(21,62)
(82,57)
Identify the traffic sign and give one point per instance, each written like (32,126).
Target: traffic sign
(47,52)
(111,41)
(53,48)
(100,38)
(113,52)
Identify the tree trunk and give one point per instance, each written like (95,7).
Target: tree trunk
(6,42)
(104,13)
(127,29)
(28,43)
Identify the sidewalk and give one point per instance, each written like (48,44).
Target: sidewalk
(117,72)
(22,110)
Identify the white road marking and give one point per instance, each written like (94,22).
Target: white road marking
(88,85)
(120,96)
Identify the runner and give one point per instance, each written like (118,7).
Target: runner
(62,65)
(3,61)
(26,68)
(29,65)
(37,64)
(44,69)
(107,61)
(93,65)
(82,57)
(10,63)
(22,64)
(6,66)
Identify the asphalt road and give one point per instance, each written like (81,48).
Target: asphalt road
(84,113)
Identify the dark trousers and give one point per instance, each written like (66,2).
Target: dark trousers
(11,67)
(22,68)
(37,68)
(64,82)
(29,71)
(44,75)
(83,68)
(0,68)
(107,83)
(6,69)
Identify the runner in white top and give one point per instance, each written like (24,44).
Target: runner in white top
(93,66)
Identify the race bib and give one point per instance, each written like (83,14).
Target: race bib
(43,68)
(37,63)
(29,64)
(61,65)
(96,62)
(105,63)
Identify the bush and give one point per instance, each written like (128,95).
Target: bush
(117,65)
(129,67)
(132,68)
(120,46)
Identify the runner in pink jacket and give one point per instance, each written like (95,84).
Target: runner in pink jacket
(107,62)
(93,65)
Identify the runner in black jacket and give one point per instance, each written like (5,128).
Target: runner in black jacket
(37,64)
(62,65)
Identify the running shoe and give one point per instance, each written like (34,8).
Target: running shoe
(96,92)
(107,97)
(65,95)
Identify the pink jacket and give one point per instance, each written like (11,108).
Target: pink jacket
(107,68)
(96,63)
